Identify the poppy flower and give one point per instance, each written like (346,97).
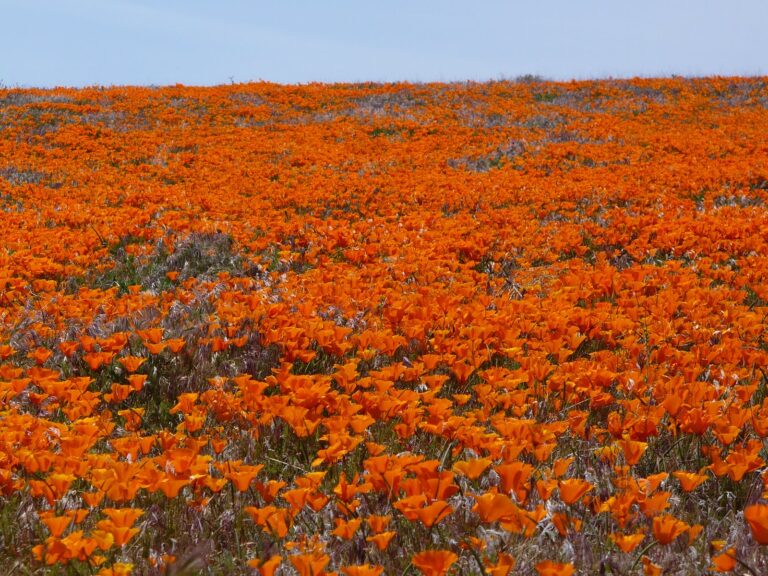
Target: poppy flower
(756,516)
(667,528)
(492,506)
(503,565)
(689,481)
(132,363)
(472,469)
(627,542)
(310,564)
(346,529)
(552,568)
(381,540)
(363,570)
(725,561)
(573,489)
(515,477)
(434,513)
(434,562)
(266,567)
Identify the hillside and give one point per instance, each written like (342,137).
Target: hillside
(400,329)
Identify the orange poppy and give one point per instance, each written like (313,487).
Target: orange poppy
(266,567)
(689,481)
(756,516)
(552,568)
(381,540)
(434,562)
(627,542)
(311,564)
(667,528)
(503,565)
(573,489)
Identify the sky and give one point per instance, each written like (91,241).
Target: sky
(156,42)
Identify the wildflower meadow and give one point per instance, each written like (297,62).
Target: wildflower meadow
(511,327)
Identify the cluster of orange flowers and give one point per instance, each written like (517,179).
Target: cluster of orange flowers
(366,329)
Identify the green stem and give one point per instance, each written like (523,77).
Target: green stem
(640,556)
(237,518)
(745,565)
(477,559)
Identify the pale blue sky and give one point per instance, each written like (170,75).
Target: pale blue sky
(105,42)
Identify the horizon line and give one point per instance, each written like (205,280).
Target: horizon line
(530,78)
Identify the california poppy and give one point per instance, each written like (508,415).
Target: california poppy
(667,528)
(434,562)
(552,568)
(573,489)
(756,516)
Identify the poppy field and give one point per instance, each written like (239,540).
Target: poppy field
(515,327)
